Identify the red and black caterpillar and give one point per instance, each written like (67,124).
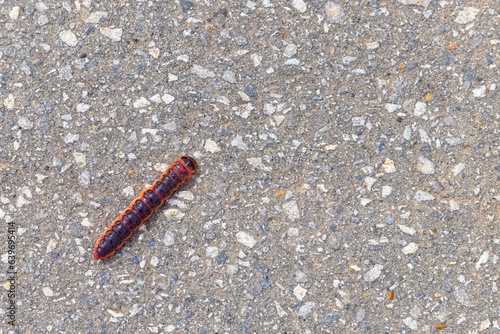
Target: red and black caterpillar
(142,207)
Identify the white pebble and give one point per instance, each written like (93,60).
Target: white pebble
(390,107)
(141,103)
(290,50)
(51,246)
(467,15)
(82,107)
(154,261)
(71,138)
(202,72)
(291,210)
(299,5)
(115,34)
(420,109)
(212,252)
(25,123)
(425,166)
(154,52)
(388,166)
(187,195)
(95,17)
(479,92)
(374,273)
(115,314)
(68,37)
(454,205)
(128,191)
(365,201)
(245,239)
(482,259)
(334,12)
(407,133)
(48,291)
(458,169)
(369,182)
(423,3)
(293,232)
(306,309)
(256,59)
(422,196)
(80,159)
(407,229)
(167,98)
(229,76)
(14,13)
(386,191)
(238,142)
(372,45)
(410,248)
(211,146)
(9,101)
(169,238)
(174,213)
(411,323)
(299,292)
(485,324)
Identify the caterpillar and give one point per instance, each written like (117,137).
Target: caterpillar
(142,207)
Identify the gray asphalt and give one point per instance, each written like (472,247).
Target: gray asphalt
(348,165)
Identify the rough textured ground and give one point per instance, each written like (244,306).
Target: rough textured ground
(345,151)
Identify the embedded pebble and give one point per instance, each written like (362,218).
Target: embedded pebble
(458,169)
(369,182)
(290,50)
(462,297)
(306,309)
(291,210)
(245,239)
(365,201)
(68,37)
(299,5)
(420,109)
(25,123)
(454,205)
(142,102)
(238,142)
(390,107)
(48,291)
(202,72)
(422,196)
(388,166)
(479,92)
(71,138)
(334,240)
(212,252)
(410,248)
(114,34)
(466,15)
(167,98)
(14,13)
(482,259)
(407,229)
(128,191)
(410,322)
(373,274)
(9,101)
(293,232)
(96,17)
(229,76)
(211,146)
(334,12)
(425,166)
(423,3)
(169,238)
(83,107)
(386,191)
(299,292)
